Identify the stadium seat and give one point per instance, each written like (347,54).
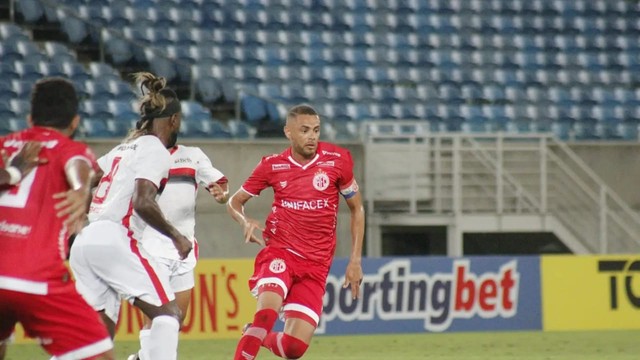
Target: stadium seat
(95,128)
(527,54)
(31,10)
(240,129)
(193,111)
(117,48)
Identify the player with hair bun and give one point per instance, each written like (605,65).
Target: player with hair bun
(190,168)
(107,259)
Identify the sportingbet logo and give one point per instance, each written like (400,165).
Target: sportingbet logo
(394,293)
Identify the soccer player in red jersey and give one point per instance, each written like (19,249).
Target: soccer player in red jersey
(36,288)
(300,235)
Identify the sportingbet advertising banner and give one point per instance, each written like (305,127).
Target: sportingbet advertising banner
(435,294)
(591,292)
(416,294)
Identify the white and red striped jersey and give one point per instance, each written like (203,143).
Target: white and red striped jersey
(33,240)
(190,167)
(143,158)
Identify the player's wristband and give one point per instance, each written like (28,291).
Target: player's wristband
(14,175)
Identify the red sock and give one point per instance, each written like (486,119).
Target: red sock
(249,344)
(285,346)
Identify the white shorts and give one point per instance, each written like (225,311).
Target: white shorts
(180,273)
(109,266)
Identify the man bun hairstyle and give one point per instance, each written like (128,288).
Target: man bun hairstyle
(54,103)
(157,101)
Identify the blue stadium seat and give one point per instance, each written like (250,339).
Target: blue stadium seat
(11,33)
(103,71)
(522,56)
(75,29)
(117,48)
(117,128)
(28,72)
(208,89)
(52,69)
(31,10)
(122,111)
(95,128)
(240,129)
(98,90)
(293,94)
(205,128)
(270,90)
(193,111)
(59,53)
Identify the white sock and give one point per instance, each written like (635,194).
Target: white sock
(143,354)
(163,338)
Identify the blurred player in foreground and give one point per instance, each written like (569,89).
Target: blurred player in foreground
(190,167)
(300,235)
(106,258)
(38,212)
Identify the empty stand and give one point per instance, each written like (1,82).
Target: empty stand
(522,66)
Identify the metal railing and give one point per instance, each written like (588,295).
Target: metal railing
(504,174)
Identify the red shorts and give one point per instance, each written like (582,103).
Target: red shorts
(301,281)
(64,324)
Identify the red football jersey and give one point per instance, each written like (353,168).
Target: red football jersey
(33,240)
(305,205)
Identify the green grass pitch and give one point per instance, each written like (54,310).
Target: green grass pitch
(609,345)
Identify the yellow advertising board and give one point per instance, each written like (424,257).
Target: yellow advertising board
(220,306)
(590,292)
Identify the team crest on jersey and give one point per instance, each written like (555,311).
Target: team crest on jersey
(283,184)
(277,266)
(320,180)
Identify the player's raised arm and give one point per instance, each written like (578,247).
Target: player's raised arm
(235,208)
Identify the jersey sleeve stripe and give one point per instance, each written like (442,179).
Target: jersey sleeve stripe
(245,190)
(79,157)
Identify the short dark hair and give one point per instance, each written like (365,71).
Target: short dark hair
(54,103)
(302,109)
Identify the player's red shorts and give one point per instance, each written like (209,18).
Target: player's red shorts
(302,282)
(62,322)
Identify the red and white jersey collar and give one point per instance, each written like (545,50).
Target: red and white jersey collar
(305,166)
